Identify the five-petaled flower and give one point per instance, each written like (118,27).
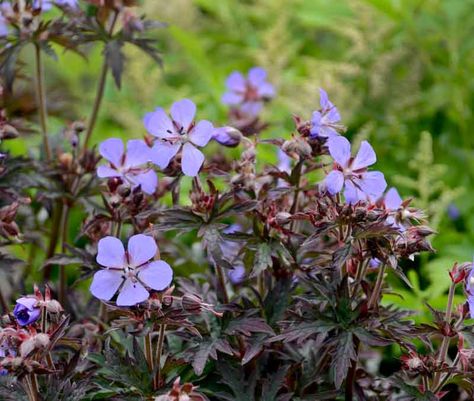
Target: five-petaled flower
(130,165)
(248,93)
(351,173)
(26,311)
(129,272)
(325,122)
(176,133)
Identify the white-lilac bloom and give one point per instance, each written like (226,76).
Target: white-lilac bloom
(325,122)
(179,132)
(350,173)
(130,272)
(130,166)
(248,93)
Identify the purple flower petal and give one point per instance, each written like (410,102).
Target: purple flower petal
(332,115)
(202,133)
(3,26)
(284,162)
(334,182)
(340,150)
(392,199)
(232,98)
(106,283)
(257,76)
(191,160)
(138,153)
(365,156)
(107,172)
(148,181)
(352,193)
(266,90)
(28,302)
(111,252)
(132,293)
(251,109)
(373,184)
(227,136)
(162,153)
(157,275)
(159,124)
(183,113)
(112,150)
(141,248)
(323,99)
(470,301)
(236,82)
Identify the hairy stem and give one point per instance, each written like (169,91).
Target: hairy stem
(100,91)
(221,284)
(159,353)
(149,352)
(377,288)
(54,237)
(443,351)
(351,375)
(34,390)
(62,269)
(41,99)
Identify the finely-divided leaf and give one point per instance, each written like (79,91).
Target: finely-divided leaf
(262,259)
(247,326)
(208,349)
(115,59)
(344,354)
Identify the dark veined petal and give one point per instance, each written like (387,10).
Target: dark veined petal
(132,293)
(162,153)
(159,124)
(183,112)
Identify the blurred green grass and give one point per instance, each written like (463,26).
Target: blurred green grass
(394,68)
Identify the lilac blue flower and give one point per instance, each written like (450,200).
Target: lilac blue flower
(131,273)
(178,133)
(350,173)
(248,93)
(26,312)
(128,165)
(325,122)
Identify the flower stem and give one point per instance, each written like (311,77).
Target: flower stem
(221,284)
(149,352)
(100,91)
(62,269)
(159,352)
(443,351)
(377,288)
(41,99)
(349,391)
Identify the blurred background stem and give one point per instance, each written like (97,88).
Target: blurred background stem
(41,99)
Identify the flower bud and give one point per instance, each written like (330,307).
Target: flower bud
(227,136)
